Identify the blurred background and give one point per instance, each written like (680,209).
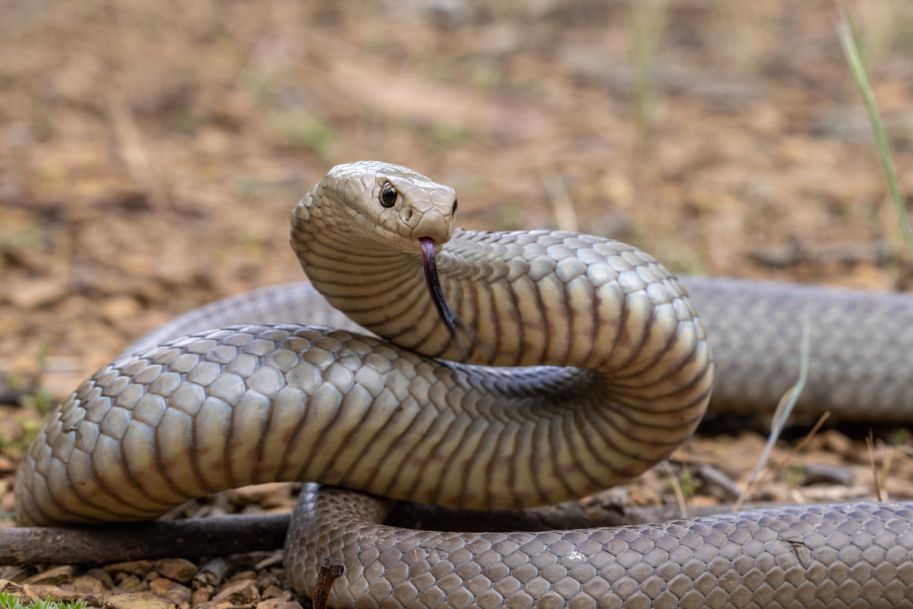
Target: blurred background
(150,152)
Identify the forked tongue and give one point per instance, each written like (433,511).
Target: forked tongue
(434,286)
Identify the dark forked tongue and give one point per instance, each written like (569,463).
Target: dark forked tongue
(434,286)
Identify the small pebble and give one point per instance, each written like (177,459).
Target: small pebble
(133,567)
(276,591)
(10,587)
(180,595)
(101,575)
(201,594)
(13,572)
(7,465)
(222,605)
(86,584)
(836,442)
(138,600)
(132,583)
(266,578)
(178,569)
(816,473)
(240,592)
(212,572)
(240,575)
(161,586)
(37,591)
(279,603)
(172,591)
(53,576)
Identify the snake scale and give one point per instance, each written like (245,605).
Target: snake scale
(515,369)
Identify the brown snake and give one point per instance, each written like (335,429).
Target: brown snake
(603,369)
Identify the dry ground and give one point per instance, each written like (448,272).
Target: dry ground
(150,153)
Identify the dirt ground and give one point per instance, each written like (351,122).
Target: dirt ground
(150,154)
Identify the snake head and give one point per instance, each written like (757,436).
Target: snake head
(378,206)
(393,205)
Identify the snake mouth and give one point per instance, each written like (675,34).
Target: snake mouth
(449,318)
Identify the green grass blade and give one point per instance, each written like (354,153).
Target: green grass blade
(860,75)
(781,414)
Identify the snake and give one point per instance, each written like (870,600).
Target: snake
(487,371)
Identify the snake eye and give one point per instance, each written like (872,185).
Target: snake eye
(453,209)
(387,195)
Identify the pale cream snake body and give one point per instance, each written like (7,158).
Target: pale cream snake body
(603,369)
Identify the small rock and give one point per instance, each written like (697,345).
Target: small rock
(86,584)
(816,473)
(39,591)
(101,575)
(181,596)
(201,595)
(10,587)
(212,572)
(12,573)
(117,308)
(222,605)
(275,591)
(133,567)
(138,600)
(171,591)
(160,585)
(178,569)
(836,442)
(53,576)
(36,293)
(279,603)
(132,583)
(241,575)
(240,593)
(7,465)
(267,578)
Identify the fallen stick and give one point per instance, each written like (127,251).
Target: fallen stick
(194,537)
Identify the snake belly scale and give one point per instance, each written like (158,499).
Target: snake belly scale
(579,362)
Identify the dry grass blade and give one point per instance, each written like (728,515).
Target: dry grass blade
(870,445)
(562,205)
(808,438)
(800,446)
(781,415)
(677,490)
(860,75)
(135,153)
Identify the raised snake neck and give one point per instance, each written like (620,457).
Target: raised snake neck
(630,378)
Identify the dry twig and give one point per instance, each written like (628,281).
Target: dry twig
(330,570)
(111,543)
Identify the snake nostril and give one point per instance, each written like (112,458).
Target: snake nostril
(406,214)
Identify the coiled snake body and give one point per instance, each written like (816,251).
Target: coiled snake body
(581,364)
